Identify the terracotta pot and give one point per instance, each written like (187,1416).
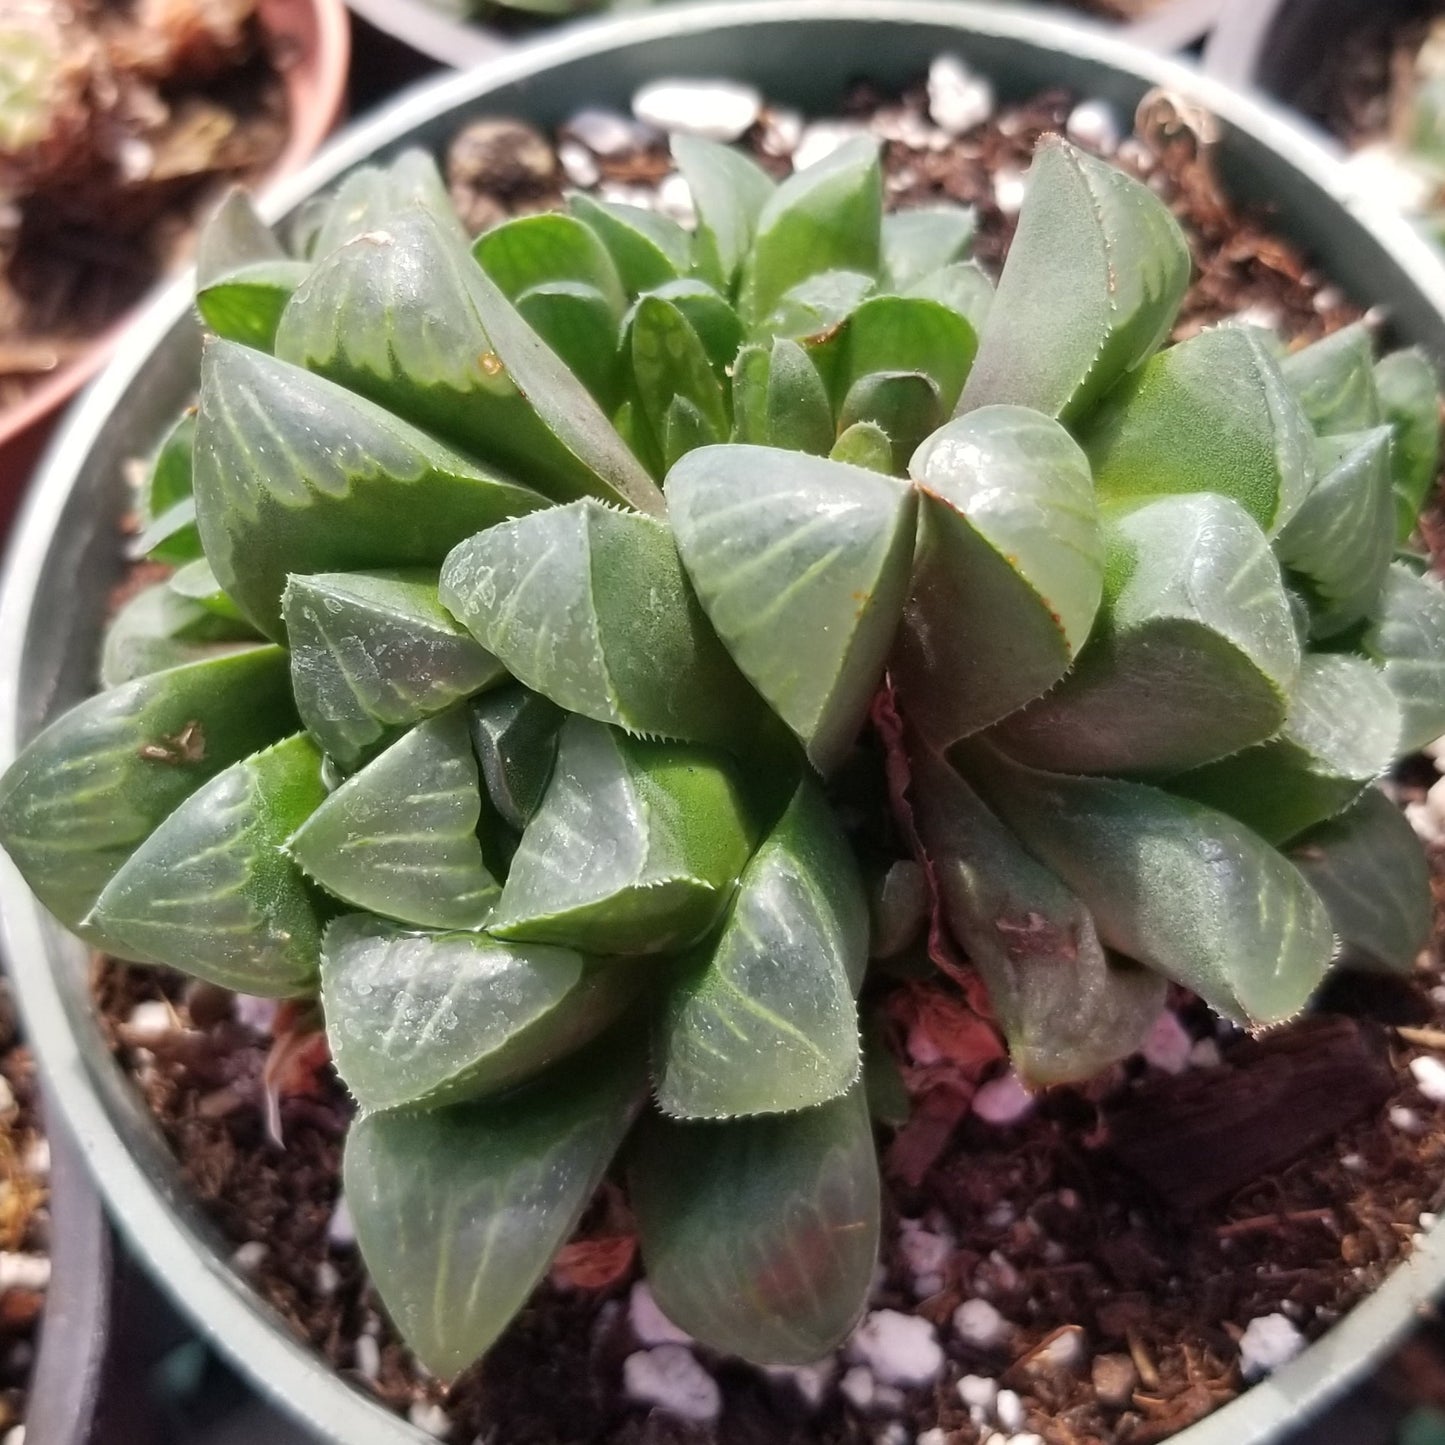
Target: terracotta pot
(312,40)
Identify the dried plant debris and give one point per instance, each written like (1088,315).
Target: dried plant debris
(118,119)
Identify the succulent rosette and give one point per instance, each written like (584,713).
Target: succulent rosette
(531,597)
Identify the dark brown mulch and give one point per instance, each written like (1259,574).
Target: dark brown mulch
(1051,1222)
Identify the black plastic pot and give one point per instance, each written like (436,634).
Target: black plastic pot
(66,556)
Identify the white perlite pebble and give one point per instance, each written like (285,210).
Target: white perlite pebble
(719,110)
(36,1162)
(810,1381)
(893,1434)
(648,1322)
(1429,1075)
(857,1387)
(577,164)
(781,131)
(604,132)
(978,1323)
(670,1378)
(926,1254)
(674,199)
(431,1418)
(1008,191)
(1405,1120)
(958,100)
(1421,817)
(1205,1055)
(1167,1044)
(255,1013)
(151,1021)
(820,141)
(978,1392)
(368,1357)
(328,1278)
(1094,124)
(1009,1410)
(1003,1100)
(340,1233)
(248,1257)
(936,1436)
(900,1349)
(1378,173)
(7,1096)
(15,1435)
(24,1271)
(1268,1342)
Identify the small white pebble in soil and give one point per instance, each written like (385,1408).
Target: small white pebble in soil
(1435,800)
(431,1418)
(1167,1044)
(1267,1343)
(604,132)
(328,1278)
(1027,1438)
(7,1096)
(1353,1162)
(1115,1378)
(1330,298)
(24,1271)
(1008,190)
(1205,1055)
(821,139)
(1383,179)
(619,193)
(1428,1220)
(958,100)
(779,131)
(149,1022)
(36,1162)
(648,1322)
(978,1323)
(340,1233)
(1001,1215)
(1066,1351)
(577,164)
(810,1381)
(368,1357)
(925,1253)
(894,1433)
(978,1392)
(15,1435)
(1426,825)
(1094,124)
(674,199)
(936,1436)
(1003,1100)
(1429,1075)
(1008,1410)
(719,110)
(857,1387)
(247,1259)
(670,1378)
(258,1014)
(900,1349)
(1407,1121)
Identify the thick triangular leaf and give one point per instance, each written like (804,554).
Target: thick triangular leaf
(779,399)
(459,1211)
(537,250)
(211,893)
(375,651)
(729,191)
(577,322)
(1092,282)
(760,1236)
(1368,867)
(514,732)
(825,218)
(1407,639)
(591,608)
(963,287)
(1340,541)
(922,241)
(1195,653)
(1212,414)
(864,444)
(245,304)
(648,249)
(1067,1008)
(172,538)
(294,474)
(718,326)
(235,235)
(1334,381)
(760,1019)
(809,311)
(168,481)
(670,363)
(1177,886)
(904,405)
(158,629)
(1408,389)
(197,583)
(1338,737)
(399,838)
(434,1018)
(802,565)
(369,198)
(1009,571)
(635,847)
(80,797)
(405,317)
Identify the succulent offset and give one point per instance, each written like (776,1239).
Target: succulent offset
(531,601)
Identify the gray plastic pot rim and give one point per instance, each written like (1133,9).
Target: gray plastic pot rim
(191,1261)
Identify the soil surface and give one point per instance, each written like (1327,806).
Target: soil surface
(1124,1281)
(151,106)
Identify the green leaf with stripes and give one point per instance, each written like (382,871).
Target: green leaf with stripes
(372,652)
(400,837)
(922,240)
(158,629)
(372,196)
(1408,389)
(211,893)
(514,734)
(729,190)
(1407,638)
(648,249)
(779,399)
(245,304)
(1335,383)
(760,1018)
(531,251)
(760,1236)
(635,847)
(671,365)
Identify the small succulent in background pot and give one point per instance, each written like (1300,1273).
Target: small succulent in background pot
(531,603)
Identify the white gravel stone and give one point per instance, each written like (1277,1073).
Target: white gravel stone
(247,1259)
(858,1387)
(1167,1044)
(674,198)
(151,1021)
(368,1357)
(1205,1055)
(23,1271)
(926,1254)
(670,1378)
(780,131)
(1067,1350)
(1003,1100)
(1429,1076)
(622,194)
(1382,178)
(719,110)
(978,1392)
(1027,1438)
(604,132)
(328,1278)
(7,1096)
(15,1435)
(1268,1342)
(1008,1409)
(1407,1121)
(431,1418)
(1008,190)
(577,164)
(812,1382)
(648,1322)
(255,1013)
(1094,124)
(978,1323)
(936,1436)
(36,1162)
(1421,817)
(958,99)
(900,1349)
(340,1232)
(821,139)
(894,1433)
